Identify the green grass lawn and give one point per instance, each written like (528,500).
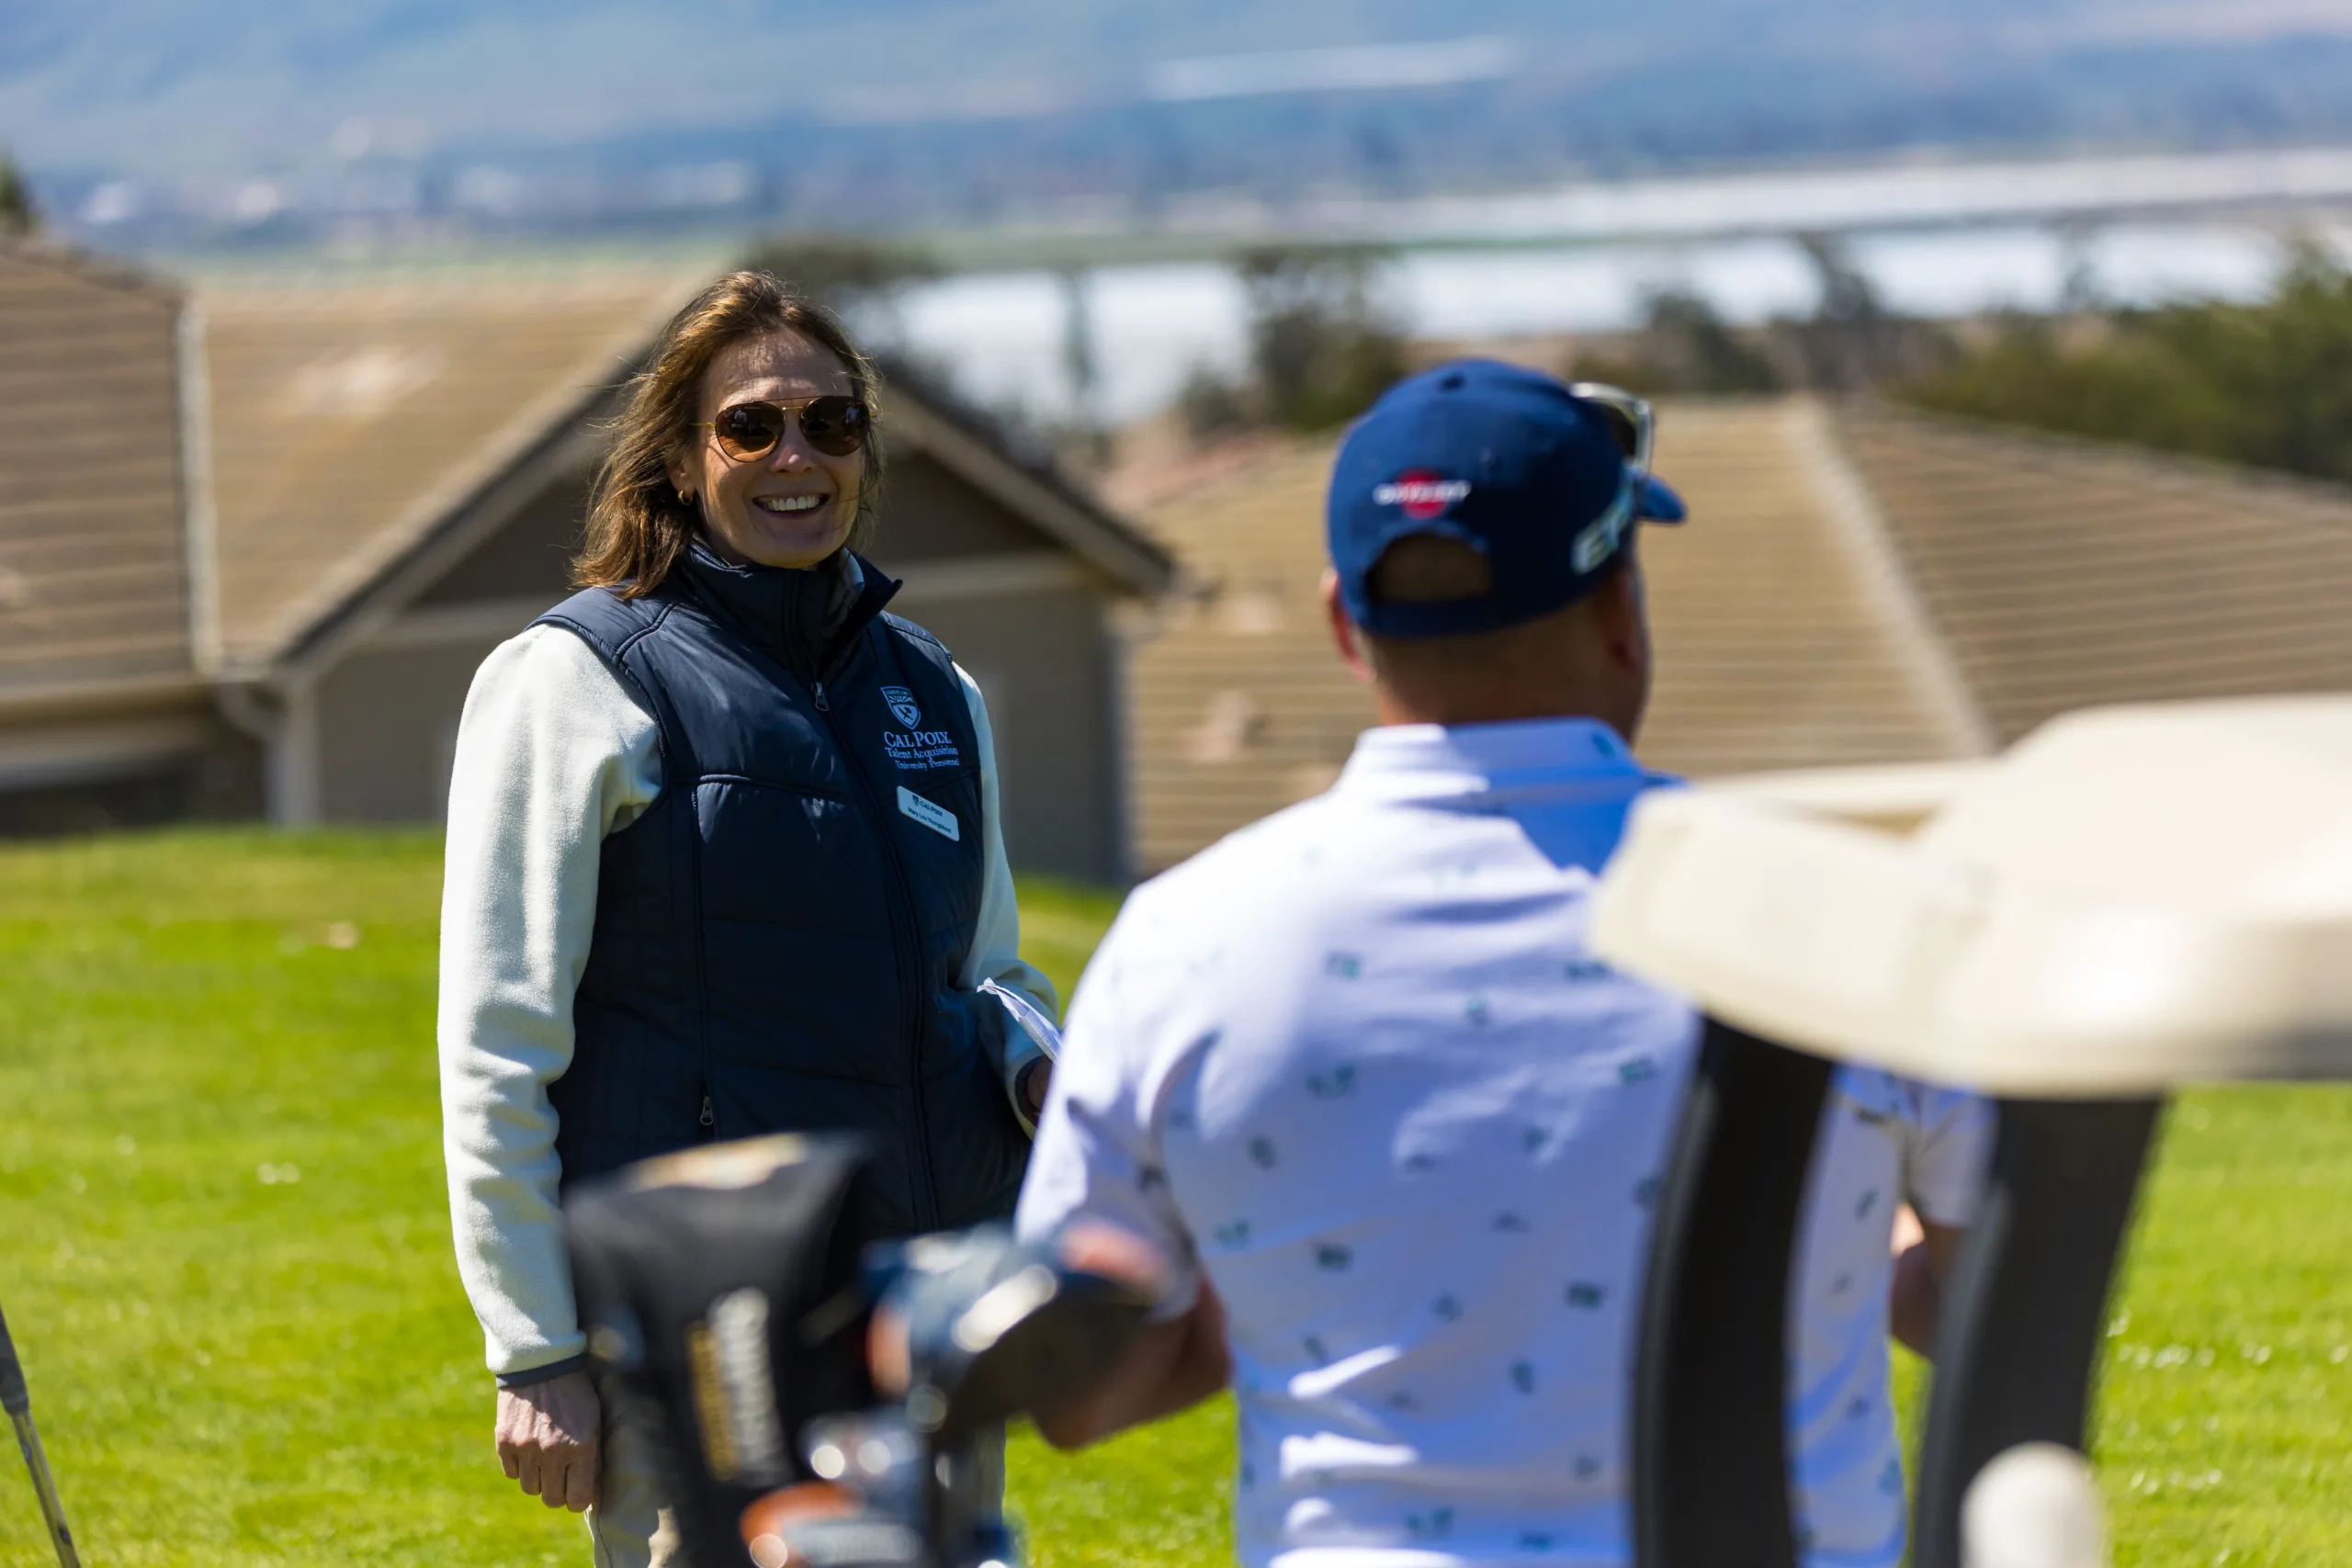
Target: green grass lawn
(224,1251)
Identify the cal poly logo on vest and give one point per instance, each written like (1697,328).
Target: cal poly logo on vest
(912,749)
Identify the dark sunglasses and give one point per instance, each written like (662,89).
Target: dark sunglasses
(835,426)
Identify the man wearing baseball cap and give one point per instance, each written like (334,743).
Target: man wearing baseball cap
(1354,1070)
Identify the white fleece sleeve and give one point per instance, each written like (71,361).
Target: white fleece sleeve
(995,963)
(552,754)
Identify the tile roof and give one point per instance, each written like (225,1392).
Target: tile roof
(1236,703)
(1786,636)
(350,421)
(1859,584)
(1783,638)
(2065,574)
(93,574)
(345,423)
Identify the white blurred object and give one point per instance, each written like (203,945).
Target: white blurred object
(2035,1507)
(2130,898)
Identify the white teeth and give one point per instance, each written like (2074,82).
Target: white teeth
(789,504)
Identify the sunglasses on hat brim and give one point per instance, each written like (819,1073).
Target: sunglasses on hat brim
(834,424)
(1632,423)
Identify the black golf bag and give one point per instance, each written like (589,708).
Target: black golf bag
(731,1296)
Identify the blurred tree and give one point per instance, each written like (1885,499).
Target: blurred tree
(20,214)
(2081,292)
(1211,404)
(844,271)
(1088,436)
(2267,383)
(1321,344)
(1683,346)
(1852,342)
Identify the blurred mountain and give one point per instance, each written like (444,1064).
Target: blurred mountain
(893,110)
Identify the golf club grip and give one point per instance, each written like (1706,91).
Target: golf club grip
(14,1400)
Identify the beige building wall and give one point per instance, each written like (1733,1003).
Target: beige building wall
(1047,664)
(387,728)
(531,558)
(928,513)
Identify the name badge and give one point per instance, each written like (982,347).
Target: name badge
(936,818)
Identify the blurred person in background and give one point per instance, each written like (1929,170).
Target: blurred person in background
(1355,1068)
(724,859)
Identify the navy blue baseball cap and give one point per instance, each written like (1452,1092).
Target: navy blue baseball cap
(1545,480)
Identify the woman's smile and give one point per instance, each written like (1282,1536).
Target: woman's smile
(788,528)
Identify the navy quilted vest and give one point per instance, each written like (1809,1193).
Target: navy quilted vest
(780,937)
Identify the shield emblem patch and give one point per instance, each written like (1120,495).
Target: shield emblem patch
(903,702)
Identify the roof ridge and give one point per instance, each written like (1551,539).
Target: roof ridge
(1245,476)
(502,296)
(352,580)
(1931,665)
(2137,462)
(965,438)
(109,271)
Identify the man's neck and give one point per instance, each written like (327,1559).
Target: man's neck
(1394,706)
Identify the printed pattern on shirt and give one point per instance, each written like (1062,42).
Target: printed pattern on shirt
(1418,1130)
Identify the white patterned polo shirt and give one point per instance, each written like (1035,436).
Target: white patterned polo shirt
(1356,1066)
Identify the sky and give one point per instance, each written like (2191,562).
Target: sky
(156,87)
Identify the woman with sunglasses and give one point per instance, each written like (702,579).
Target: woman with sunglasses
(723,860)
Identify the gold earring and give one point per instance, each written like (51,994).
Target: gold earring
(685,497)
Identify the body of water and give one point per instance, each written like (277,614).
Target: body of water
(1004,335)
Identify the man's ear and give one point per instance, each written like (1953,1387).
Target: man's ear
(1344,635)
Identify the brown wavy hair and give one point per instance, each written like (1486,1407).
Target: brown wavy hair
(636,525)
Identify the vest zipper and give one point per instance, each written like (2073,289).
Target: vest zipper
(905,931)
(709,1117)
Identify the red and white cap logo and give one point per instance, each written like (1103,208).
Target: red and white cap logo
(1423,493)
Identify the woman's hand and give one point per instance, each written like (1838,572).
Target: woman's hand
(548,1437)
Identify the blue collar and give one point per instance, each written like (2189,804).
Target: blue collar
(1425,761)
